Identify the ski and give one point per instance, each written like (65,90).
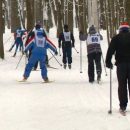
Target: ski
(22,81)
(50,81)
(52,67)
(28,82)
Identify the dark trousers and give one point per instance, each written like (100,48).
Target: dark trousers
(67,55)
(94,59)
(123,75)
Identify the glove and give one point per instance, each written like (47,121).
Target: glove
(56,53)
(109,65)
(73,45)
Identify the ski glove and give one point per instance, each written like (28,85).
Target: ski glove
(56,53)
(73,46)
(109,65)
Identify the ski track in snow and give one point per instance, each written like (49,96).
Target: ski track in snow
(70,103)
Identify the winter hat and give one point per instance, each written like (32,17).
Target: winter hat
(65,26)
(92,30)
(38,26)
(124,27)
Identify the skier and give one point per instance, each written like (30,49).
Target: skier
(39,47)
(68,41)
(18,40)
(31,36)
(94,54)
(120,47)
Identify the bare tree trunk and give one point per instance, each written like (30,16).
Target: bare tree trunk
(30,14)
(127,5)
(93,13)
(9,13)
(70,15)
(77,13)
(39,11)
(102,15)
(82,16)
(15,20)
(1,32)
(59,19)
(54,10)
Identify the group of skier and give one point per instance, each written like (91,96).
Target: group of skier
(38,43)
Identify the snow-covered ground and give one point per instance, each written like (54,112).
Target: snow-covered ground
(69,103)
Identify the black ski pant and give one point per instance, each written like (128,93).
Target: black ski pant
(94,59)
(67,55)
(123,75)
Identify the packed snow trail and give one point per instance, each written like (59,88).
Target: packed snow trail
(70,103)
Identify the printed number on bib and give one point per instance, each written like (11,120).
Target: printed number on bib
(40,42)
(18,34)
(67,36)
(95,39)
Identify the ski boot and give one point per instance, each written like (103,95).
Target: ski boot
(122,111)
(98,77)
(14,54)
(64,66)
(46,79)
(69,66)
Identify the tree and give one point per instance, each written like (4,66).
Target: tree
(70,15)
(30,14)
(127,5)
(15,19)
(1,31)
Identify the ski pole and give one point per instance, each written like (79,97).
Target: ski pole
(76,50)
(55,58)
(80,57)
(110,111)
(50,58)
(104,64)
(19,61)
(59,52)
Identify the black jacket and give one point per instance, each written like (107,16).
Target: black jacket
(120,46)
(66,43)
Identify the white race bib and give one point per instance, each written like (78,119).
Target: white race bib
(40,40)
(18,34)
(94,38)
(67,36)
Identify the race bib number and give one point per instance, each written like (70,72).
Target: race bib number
(67,36)
(40,42)
(94,39)
(18,34)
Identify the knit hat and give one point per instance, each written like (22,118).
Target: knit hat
(38,26)
(65,26)
(92,30)
(124,27)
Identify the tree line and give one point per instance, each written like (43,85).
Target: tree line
(75,13)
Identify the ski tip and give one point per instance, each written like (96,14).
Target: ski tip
(22,81)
